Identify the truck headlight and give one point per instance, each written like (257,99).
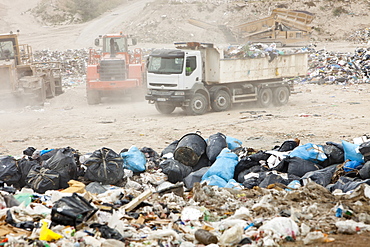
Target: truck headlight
(179,93)
(149,92)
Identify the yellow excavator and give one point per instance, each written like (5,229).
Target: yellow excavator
(282,26)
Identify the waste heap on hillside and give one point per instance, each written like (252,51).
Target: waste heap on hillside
(212,191)
(73,63)
(361,36)
(339,68)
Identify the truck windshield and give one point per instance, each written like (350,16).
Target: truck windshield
(165,65)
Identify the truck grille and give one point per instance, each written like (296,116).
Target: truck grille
(113,70)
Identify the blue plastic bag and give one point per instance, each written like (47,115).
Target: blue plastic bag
(224,166)
(311,152)
(352,165)
(134,160)
(233,143)
(215,180)
(232,184)
(351,152)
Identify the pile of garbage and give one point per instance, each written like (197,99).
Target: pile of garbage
(361,36)
(339,68)
(209,191)
(73,63)
(325,67)
(250,50)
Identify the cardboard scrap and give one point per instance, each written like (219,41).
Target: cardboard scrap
(131,205)
(74,186)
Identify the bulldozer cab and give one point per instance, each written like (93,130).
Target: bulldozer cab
(9,48)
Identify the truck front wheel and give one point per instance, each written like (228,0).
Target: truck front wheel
(93,97)
(164,108)
(264,97)
(281,96)
(221,101)
(198,105)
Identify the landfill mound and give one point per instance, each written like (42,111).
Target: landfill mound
(210,191)
(325,67)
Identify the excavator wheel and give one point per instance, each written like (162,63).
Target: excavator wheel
(50,92)
(58,85)
(93,97)
(41,92)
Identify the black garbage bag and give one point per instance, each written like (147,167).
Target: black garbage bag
(322,176)
(364,172)
(347,184)
(151,155)
(244,164)
(104,166)
(215,144)
(254,180)
(364,149)
(63,162)
(41,179)
(334,154)
(107,232)
(26,225)
(72,210)
(300,167)
(202,162)
(170,148)
(25,167)
(272,178)
(47,154)
(287,146)
(175,170)
(251,182)
(254,169)
(296,166)
(29,151)
(9,172)
(194,177)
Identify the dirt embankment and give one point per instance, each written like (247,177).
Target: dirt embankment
(163,22)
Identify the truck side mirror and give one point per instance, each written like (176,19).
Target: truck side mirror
(97,42)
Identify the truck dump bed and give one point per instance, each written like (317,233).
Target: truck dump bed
(219,70)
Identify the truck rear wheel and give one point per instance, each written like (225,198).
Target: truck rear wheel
(164,108)
(221,101)
(264,97)
(93,97)
(281,96)
(198,105)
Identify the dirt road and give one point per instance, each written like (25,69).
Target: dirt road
(315,113)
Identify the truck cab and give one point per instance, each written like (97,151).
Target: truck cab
(174,76)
